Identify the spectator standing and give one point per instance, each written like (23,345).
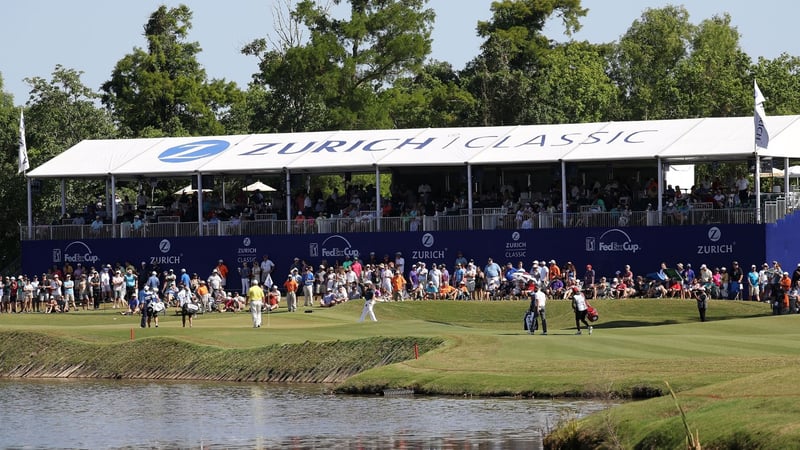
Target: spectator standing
(492,272)
(291,293)
(308,286)
(222,269)
(736,279)
(537,308)
(267,267)
(244,276)
(753,284)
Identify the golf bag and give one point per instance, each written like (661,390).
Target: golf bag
(591,313)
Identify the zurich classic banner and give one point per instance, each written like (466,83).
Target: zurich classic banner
(607,249)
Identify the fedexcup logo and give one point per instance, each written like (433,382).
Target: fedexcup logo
(193,151)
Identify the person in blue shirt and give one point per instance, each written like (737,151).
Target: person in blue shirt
(186,280)
(492,272)
(752,283)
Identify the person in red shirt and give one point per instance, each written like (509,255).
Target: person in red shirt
(223,272)
(291,293)
(273,299)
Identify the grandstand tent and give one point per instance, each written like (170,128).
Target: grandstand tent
(671,141)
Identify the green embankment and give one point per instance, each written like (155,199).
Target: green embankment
(733,375)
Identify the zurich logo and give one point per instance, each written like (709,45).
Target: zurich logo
(193,151)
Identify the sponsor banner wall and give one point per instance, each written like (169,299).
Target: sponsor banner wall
(783,243)
(607,249)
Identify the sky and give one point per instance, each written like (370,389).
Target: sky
(92,35)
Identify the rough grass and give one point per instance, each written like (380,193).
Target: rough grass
(734,375)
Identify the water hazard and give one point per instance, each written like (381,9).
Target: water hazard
(136,414)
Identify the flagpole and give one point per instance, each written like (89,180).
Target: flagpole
(30,210)
(761,140)
(758,186)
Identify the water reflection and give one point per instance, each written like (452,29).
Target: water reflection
(133,414)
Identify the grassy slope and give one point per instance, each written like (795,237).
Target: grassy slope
(732,373)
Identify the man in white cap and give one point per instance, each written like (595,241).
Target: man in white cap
(400,262)
(255,298)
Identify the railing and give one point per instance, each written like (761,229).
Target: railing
(495,220)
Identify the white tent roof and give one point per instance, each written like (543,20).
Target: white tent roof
(259,186)
(331,151)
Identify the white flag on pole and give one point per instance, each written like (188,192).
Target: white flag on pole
(23,147)
(760,117)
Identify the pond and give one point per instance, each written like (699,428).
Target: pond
(155,414)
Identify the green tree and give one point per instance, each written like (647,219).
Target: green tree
(12,185)
(334,79)
(163,89)
(646,60)
(434,98)
(503,78)
(714,80)
(779,81)
(62,112)
(574,85)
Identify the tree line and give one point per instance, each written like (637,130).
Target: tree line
(372,69)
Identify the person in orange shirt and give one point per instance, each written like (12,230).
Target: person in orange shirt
(555,271)
(447,292)
(223,273)
(202,294)
(786,286)
(398,286)
(291,293)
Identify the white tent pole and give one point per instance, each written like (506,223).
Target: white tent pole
(564,193)
(64,198)
(469,194)
(113,206)
(30,210)
(200,203)
(660,188)
(758,186)
(288,196)
(378,196)
(786,183)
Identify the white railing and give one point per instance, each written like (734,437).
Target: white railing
(495,220)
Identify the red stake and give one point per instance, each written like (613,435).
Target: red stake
(416,351)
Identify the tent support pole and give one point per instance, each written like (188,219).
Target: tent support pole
(288,197)
(660,197)
(200,204)
(758,187)
(469,194)
(786,184)
(113,206)
(64,197)
(564,193)
(378,197)
(30,210)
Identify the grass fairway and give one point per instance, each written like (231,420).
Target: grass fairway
(734,374)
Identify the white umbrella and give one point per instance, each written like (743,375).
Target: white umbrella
(189,190)
(794,171)
(258,186)
(776,173)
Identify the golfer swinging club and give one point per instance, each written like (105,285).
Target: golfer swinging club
(369,297)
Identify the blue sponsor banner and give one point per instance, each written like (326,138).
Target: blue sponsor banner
(607,249)
(783,244)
